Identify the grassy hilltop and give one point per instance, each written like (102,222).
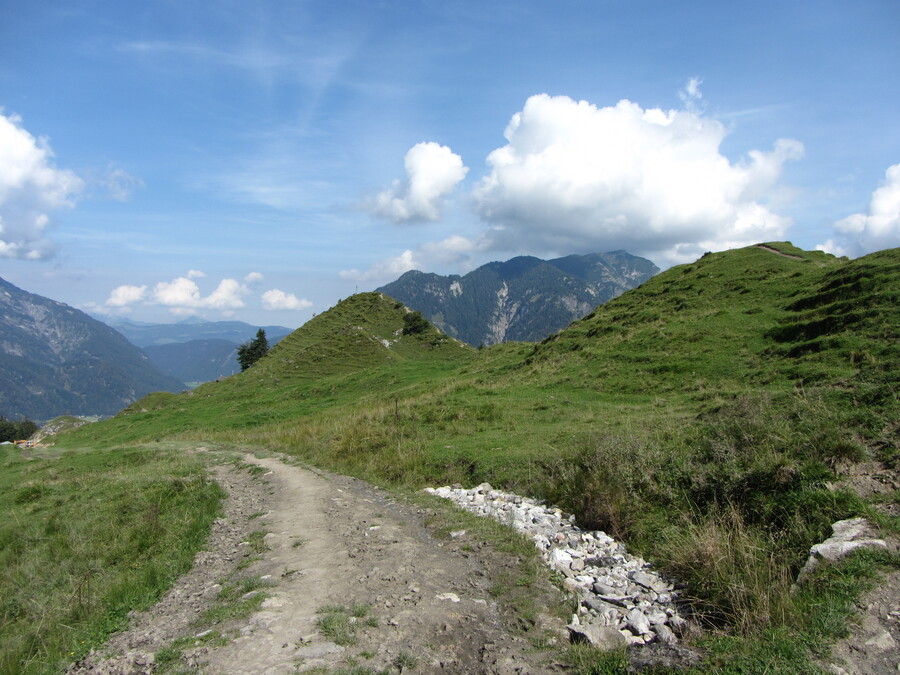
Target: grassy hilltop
(703,417)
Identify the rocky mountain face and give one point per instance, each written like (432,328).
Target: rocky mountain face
(55,359)
(522,299)
(195,351)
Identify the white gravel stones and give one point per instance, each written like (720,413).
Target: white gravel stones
(617,590)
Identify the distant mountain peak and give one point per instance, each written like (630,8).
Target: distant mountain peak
(524,298)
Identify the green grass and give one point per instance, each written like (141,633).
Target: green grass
(85,538)
(340,624)
(700,417)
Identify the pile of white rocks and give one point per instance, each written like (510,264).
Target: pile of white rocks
(622,601)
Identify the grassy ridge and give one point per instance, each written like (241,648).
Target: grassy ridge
(701,417)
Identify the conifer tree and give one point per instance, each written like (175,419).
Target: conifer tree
(253,350)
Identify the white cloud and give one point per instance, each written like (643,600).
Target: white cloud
(276,299)
(862,233)
(432,172)
(227,295)
(31,188)
(126,296)
(253,277)
(575,177)
(182,296)
(454,250)
(384,270)
(120,184)
(691,96)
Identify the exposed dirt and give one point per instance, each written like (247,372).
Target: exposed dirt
(777,252)
(873,645)
(332,541)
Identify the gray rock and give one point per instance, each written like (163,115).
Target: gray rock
(602,637)
(665,634)
(847,536)
(637,622)
(660,656)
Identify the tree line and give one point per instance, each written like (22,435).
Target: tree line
(16,430)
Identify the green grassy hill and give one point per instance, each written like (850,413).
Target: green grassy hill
(703,417)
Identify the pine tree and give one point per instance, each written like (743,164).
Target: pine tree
(253,350)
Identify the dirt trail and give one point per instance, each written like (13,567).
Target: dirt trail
(424,604)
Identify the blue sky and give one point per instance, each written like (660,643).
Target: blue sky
(261,160)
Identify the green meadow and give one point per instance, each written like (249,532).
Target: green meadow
(704,418)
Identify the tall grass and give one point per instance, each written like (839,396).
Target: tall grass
(86,538)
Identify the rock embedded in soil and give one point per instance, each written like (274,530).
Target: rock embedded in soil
(617,591)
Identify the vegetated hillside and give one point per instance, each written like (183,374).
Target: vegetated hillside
(705,418)
(741,318)
(154,334)
(352,354)
(523,299)
(56,360)
(195,361)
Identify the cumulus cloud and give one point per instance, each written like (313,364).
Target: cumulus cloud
(276,299)
(31,189)
(432,171)
(577,177)
(862,233)
(182,296)
(126,296)
(454,250)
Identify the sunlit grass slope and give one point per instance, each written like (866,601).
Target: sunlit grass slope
(702,417)
(349,356)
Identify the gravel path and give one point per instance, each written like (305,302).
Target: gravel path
(333,543)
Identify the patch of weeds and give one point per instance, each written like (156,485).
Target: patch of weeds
(336,626)
(257,541)
(367,654)
(258,514)
(299,542)
(167,657)
(340,624)
(360,611)
(236,600)
(405,661)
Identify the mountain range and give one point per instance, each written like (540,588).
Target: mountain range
(55,359)
(523,299)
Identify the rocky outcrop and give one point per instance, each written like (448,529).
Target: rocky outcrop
(622,601)
(846,537)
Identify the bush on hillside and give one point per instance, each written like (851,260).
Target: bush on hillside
(414,323)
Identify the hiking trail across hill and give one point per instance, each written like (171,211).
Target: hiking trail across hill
(350,578)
